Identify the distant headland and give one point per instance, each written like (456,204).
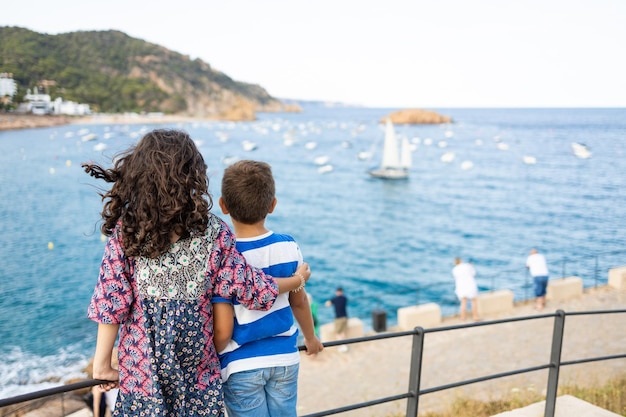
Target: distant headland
(417,116)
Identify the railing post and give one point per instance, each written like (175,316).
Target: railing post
(415,373)
(555,363)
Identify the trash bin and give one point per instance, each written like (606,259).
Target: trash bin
(379,320)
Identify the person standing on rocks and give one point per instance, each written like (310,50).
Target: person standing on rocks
(536,264)
(465,286)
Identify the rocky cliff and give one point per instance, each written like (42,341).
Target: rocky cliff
(115,73)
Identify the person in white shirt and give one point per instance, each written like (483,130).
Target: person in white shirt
(465,286)
(536,264)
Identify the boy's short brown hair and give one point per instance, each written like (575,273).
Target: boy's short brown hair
(248,190)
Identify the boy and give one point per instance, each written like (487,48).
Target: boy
(260,364)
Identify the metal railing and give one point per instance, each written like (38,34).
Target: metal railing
(413,393)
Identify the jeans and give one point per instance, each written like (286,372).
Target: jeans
(265,392)
(541,284)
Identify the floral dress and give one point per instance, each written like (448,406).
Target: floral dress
(167,361)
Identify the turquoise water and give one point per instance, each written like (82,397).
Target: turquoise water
(389,244)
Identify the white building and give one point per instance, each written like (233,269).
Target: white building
(38,103)
(8,86)
(70,108)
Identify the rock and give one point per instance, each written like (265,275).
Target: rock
(240,112)
(292,108)
(417,116)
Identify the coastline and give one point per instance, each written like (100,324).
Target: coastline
(29,121)
(10,121)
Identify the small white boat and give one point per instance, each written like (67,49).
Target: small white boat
(289,140)
(581,150)
(364,155)
(248,145)
(466,165)
(324,169)
(529,160)
(229,159)
(100,146)
(88,137)
(222,136)
(321,160)
(447,157)
(396,161)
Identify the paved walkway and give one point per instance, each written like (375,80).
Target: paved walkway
(377,369)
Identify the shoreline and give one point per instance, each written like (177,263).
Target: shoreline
(19,122)
(10,121)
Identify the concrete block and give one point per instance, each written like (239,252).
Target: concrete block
(617,278)
(424,315)
(355,329)
(494,302)
(564,288)
(566,406)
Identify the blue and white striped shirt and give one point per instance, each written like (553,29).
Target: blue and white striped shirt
(263,339)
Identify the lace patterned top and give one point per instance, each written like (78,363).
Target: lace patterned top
(167,361)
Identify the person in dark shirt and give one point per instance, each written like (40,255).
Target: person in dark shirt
(340,302)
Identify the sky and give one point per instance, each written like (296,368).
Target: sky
(387,53)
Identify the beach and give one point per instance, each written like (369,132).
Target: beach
(377,369)
(11,121)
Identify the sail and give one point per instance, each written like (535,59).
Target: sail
(391,157)
(405,154)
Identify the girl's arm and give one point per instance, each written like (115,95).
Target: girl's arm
(295,282)
(223,323)
(102,369)
(236,279)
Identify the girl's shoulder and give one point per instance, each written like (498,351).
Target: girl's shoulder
(217,234)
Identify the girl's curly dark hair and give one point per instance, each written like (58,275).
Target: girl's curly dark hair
(160,189)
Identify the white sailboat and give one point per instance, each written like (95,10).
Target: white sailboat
(581,150)
(396,161)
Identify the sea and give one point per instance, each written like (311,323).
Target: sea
(487,187)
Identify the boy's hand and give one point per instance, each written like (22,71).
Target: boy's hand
(304,270)
(313,346)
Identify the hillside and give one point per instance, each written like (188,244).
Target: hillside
(114,73)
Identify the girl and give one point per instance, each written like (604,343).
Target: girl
(165,258)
